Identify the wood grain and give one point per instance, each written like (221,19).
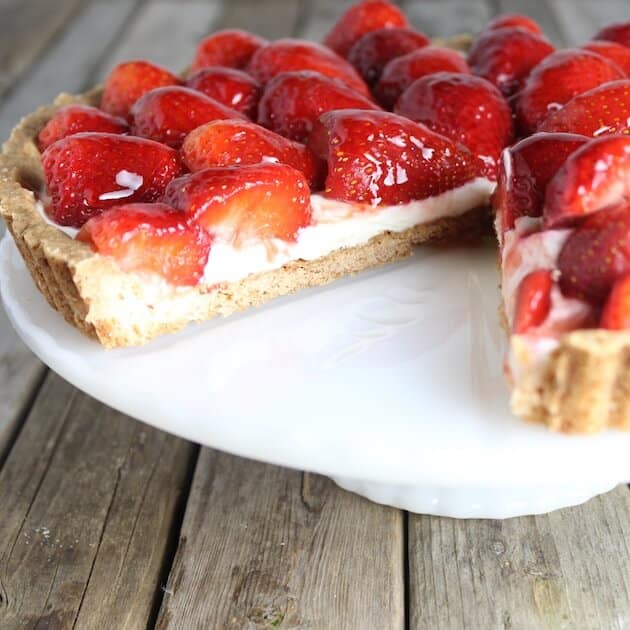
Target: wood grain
(273,19)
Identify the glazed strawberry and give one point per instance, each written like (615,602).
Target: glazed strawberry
(462,107)
(602,110)
(402,71)
(533,300)
(289,55)
(596,254)
(234,142)
(128,81)
(375,49)
(556,80)
(150,238)
(514,20)
(231,48)
(618,54)
(233,88)
(293,101)
(616,311)
(88,172)
(360,19)
(236,204)
(169,114)
(73,119)
(594,177)
(618,32)
(506,56)
(380,158)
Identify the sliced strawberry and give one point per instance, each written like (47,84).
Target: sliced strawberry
(462,107)
(128,81)
(402,71)
(235,204)
(617,53)
(380,158)
(533,301)
(618,32)
(234,142)
(506,56)
(594,177)
(361,18)
(88,172)
(169,114)
(233,88)
(514,20)
(616,311)
(73,119)
(231,48)
(293,101)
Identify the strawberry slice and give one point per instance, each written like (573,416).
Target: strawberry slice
(380,158)
(150,238)
(464,108)
(616,311)
(293,101)
(556,80)
(617,53)
(234,142)
(73,119)
(594,177)
(236,204)
(514,20)
(233,88)
(618,32)
(402,71)
(533,301)
(360,19)
(128,81)
(88,172)
(231,48)
(169,114)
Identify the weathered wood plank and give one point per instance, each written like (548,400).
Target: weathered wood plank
(441,18)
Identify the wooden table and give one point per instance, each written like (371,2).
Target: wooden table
(108,523)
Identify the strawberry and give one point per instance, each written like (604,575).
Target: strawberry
(375,49)
(234,142)
(288,55)
(233,88)
(73,119)
(236,204)
(128,81)
(464,108)
(514,20)
(618,54)
(168,114)
(293,101)
(618,32)
(558,78)
(380,158)
(533,301)
(88,172)
(616,311)
(506,56)
(602,110)
(596,254)
(361,18)
(231,48)
(150,238)
(402,71)
(594,177)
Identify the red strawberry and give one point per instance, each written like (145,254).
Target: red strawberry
(361,18)
(169,114)
(595,177)
(234,142)
(293,101)
(618,32)
(402,71)
(231,87)
(88,172)
(602,110)
(556,80)
(596,254)
(288,55)
(375,49)
(236,204)
(505,56)
(618,54)
(616,311)
(150,238)
(128,81)
(232,48)
(514,20)
(533,300)
(380,158)
(464,108)
(73,119)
